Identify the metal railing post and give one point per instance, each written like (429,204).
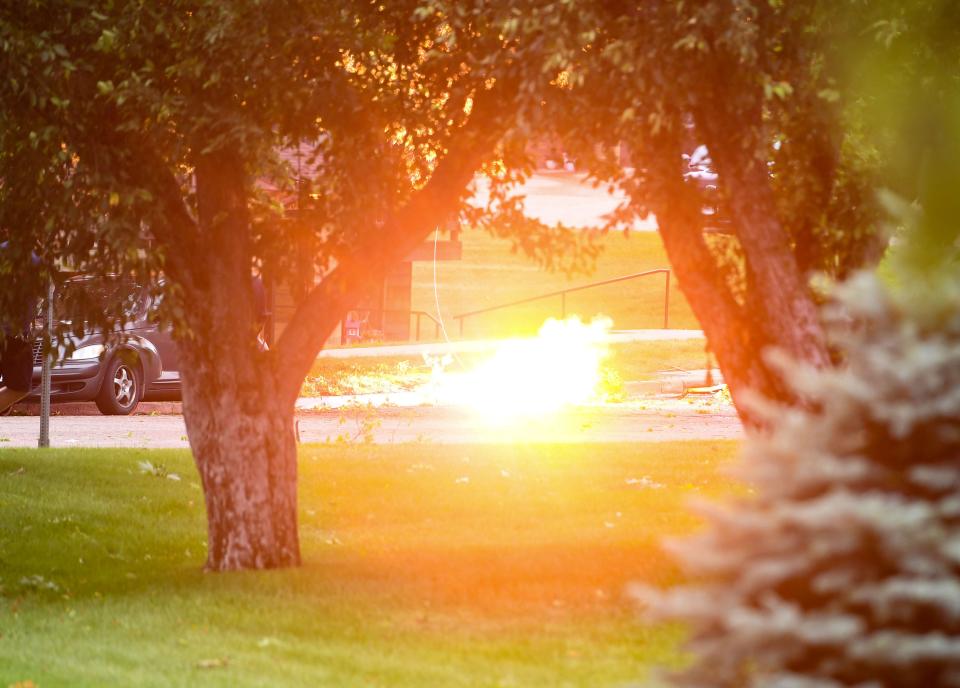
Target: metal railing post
(44,439)
(666,303)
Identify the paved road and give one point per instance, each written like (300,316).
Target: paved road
(635,422)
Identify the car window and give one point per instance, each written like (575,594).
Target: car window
(85,295)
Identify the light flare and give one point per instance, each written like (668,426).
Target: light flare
(530,378)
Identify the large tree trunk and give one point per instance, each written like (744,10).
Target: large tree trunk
(777,310)
(733,338)
(238,401)
(240,426)
(737,336)
(779,303)
(243,443)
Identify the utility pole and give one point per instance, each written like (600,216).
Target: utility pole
(47,350)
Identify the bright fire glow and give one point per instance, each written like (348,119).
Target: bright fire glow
(528,378)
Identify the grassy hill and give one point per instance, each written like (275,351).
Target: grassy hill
(490,274)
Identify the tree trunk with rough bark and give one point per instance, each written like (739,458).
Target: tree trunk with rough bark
(238,401)
(780,305)
(242,437)
(240,427)
(777,310)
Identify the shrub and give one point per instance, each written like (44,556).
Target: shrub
(842,565)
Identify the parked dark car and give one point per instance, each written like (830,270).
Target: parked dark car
(698,171)
(141,364)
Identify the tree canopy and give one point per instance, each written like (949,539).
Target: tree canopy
(110,110)
(150,139)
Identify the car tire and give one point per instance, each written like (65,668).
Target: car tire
(122,388)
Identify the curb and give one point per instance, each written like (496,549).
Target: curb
(145,408)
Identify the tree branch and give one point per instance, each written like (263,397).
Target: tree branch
(318,314)
(727,326)
(175,228)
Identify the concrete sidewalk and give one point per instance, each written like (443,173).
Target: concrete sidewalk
(482,345)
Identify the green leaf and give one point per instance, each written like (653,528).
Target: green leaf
(106,41)
(780,90)
(829,94)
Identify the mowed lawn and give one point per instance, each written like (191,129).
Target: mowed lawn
(423,566)
(490,274)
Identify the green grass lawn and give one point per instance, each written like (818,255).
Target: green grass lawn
(643,360)
(490,274)
(423,566)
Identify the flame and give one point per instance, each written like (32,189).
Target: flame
(530,378)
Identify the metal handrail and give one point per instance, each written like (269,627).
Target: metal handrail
(418,314)
(562,293)
(436,323)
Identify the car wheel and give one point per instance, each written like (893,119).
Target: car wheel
(121,390)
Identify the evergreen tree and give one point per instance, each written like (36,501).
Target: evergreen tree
(841,567)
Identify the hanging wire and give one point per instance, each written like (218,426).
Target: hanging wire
(436,299)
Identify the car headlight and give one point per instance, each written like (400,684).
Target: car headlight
(85,353)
